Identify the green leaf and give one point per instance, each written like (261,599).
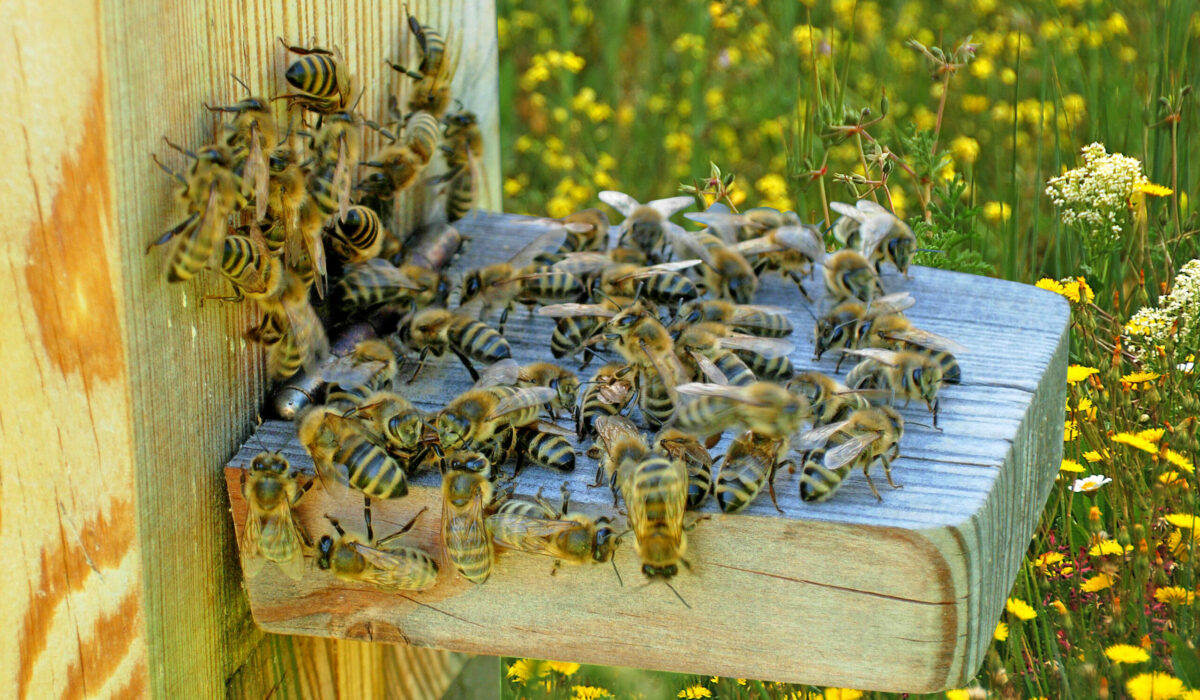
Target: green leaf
(1185,659)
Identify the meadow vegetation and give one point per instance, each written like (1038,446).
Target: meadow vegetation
(1053,143)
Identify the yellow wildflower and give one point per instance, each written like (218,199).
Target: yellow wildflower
(741,681)
(1154,190)
(512,186)
(842,694)
(1174,595)
(996,212)
(958,694)
(694,692)
(1154,686)
(1180,461)
(1105,548)
(1135,441)
(982,67)
(1078,373)
(559,206)
(1094,456)
(1184,520)
(1001,632)
(524,669)
(1115,25)
(1019,608)
(975,104)
(1126,654)
(573,62)
(1008,76)
(771,186)
(1070,430)
(563,667)
(965,149)
(1172,478)
(588,692)
(1151,434)
(1096,583)
(1070,465)
(1127,54)
(1139,377)
(1047,559)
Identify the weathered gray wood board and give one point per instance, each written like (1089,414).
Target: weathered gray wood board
(898,595)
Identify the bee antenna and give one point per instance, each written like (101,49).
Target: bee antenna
(681,600)
(240,82)
(618,573)
(336,525)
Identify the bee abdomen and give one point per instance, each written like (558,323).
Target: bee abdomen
(551,450)
(699,485)
(817,483)
(372,471)
(735,370)
(556,286)
(315,74)
(667,287)
(460,196)
(570,334)
(655,402)
(482,342)
(357,235)
(740,481)
(770,369)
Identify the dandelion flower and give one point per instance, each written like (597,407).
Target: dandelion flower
(694,692)
(1019,608)
(1106,548)
(1070,465)
(1126,654)
(1070,430)
(1171,478)
(563,667)
(1154,686)
(1094,455)
(1047,559)
(1174,595)
(1090,484)
(842,694)
(1155,190)
(996,212)
(1078,373)
(958,694)
(1001,632)
(1180,461)
(524,669)
(1096,583)
(588,692)
(1184,520)
(1139,377)
(1056,287)
(1136,441)
(1151,434)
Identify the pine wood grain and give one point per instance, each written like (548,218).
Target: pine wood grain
(121,395)
(899,595)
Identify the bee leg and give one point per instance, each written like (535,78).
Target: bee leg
(171,233)
(694,523)
(838,367)
(887,471)
(503,320)
(303,490)
(771,487)
(367,519)
(554,569)
(566,499)
(466,363)
(934,409)
(798,279)
(420,364)
(871,483)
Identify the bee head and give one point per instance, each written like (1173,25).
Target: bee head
(605,544)
(901,250)
(472,284)
(324,552)
(443,289)
(741,288)
(653,572)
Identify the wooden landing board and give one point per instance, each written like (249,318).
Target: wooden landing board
(899,595)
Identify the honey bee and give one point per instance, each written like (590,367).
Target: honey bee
(645,224)
(301,340)
(477,414)
(254,130)
(607,394)
(464,150)
(848,275)
(370,285)
(398,421)
(619,446)
(683,447)
(655,493)
(641,339)
(831,400)
(700,348)
(907,375)
(574,538)
(250,268)
(337,146)
(287,193)
(209,194)
(739,357)
(790,251)
(400,163)
(749,464)
(726,274)
(368,368)
(438,330)
(895,332)
(539,507)
(586,230)
(501,285)
(544,444)
(386,564)
(847,325)
(661,283)
(867,437)
(563,381)
(875,232)
(765,408)
(320,77)
(358,236)
(466,493)
(765,321)
(433,74)
(271,531)
(348,452)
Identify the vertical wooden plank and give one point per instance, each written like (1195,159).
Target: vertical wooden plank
(122,397)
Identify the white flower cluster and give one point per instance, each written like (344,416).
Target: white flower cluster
(1150,326)
(1097,194)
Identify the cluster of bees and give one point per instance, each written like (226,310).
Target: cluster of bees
(692,356)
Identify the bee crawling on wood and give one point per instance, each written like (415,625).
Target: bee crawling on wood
(271,531)
(386,564)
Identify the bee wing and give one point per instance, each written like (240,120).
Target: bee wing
(891,304)
(767,347)
(279,537)
(611,428)
(872,231)
(547,241)
(887,357)
(846,452)
(685,244)
(925,339)
(573,310)
(752,316)
(619,201)
(341,180)
(847,210)
(615,393)
(308,331)
(656,269)
(552,428)
(806,240)
(356,427)
(671,205)
(531,535)
(733,393)
(871,207)
(708,368)
(393,571)
(582,262)
(505,372)
(818,436)
(724,224)
(523,398)
(348,371)
(668,366)
(259,173)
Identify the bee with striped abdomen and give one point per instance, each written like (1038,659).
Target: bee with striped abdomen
(750,463)
(868,437)
(607,393)
(655,493)
(250,268)
(619,446)
(369,367)
(386,564)
(320,78)
(765,321)
(466,494)
(848,275)
(645,224)
(906,375)
(438,330)
(400,163)
(696,460)
(271,532)
(831,400)
(369,286)
(767,409)
(358,236)
(501,285)
(349,452)
(875,232)
(254,130)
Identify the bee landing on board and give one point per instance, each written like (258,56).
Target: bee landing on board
(868,437)
(537,528)
(501,285)
(906,375)
(645,225)
(271,532)
(876,233)
(386,564)
(437,330)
